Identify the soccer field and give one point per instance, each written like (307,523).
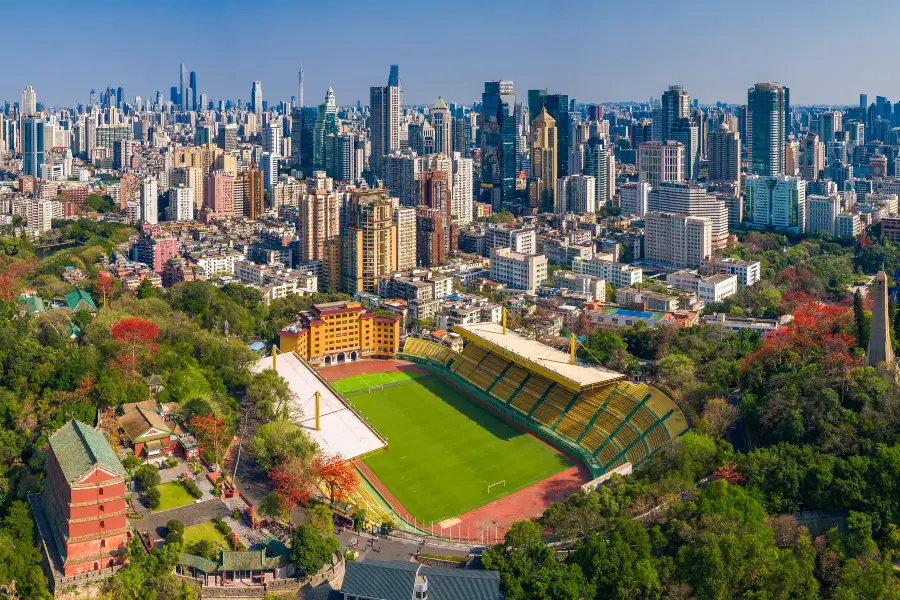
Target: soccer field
(445,449)
(364,382)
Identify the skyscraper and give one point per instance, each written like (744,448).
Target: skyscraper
(370,241)
(558,107)
(192,100)
(326,123)
(542,187)
(29,101)
(765,129)
(256,100)
(676,104)
(498,143)
(440,120)
(182,80)
(300,95)
(724,156)
(659,162)
(32,146)
(384,104)
(686,132)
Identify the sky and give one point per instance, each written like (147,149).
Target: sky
(827,52)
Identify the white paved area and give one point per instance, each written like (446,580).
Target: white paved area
(342,432)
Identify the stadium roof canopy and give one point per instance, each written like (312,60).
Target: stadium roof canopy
(536,356)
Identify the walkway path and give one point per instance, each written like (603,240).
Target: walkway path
(192,514)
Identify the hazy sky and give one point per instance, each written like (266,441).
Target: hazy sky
(595,51)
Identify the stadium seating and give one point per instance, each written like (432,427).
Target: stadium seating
(615,422)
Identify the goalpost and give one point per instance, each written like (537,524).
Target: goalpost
(501,482)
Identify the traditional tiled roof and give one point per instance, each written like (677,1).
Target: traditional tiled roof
(393,580)
(77,448)
(76,297)
(139,421)
(249,560)
(33,304)
(461,584)
(198,562)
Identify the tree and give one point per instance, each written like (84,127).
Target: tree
(336,474)
(208,549)
(174,531)
(153,497)
(137,339)
(279,441)
(322,518)
(859,319)
(213,435)
(271,395)
(273,506)
(522,534)
(294,482)
(147,476)
(602,345)
(719,416)
(310,550)
(676,372)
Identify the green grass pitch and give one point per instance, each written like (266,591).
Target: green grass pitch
(445,449)
(364,382)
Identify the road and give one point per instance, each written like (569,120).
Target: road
(371,548)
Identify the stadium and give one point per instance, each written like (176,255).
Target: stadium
(462,444)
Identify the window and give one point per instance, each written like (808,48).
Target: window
(102,524)
(101,491)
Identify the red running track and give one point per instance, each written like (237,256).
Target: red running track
(489,522)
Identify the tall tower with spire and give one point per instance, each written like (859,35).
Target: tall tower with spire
(880,350)
(300,97)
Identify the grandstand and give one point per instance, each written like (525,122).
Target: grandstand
(590,412)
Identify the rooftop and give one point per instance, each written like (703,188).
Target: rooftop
(78,448)
(539,355)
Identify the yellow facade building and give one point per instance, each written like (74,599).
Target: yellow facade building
(337,332)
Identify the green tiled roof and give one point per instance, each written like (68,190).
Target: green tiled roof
(198,562)
(392,580)
(249,560)
(76,297)
(461,584)
(77,447)
(33,304)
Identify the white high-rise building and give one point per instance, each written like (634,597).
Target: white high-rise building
(181,204)
(271,138)
(268,162)
(256,100)
(29,102)
(778,202)
(385,103)
(633,198)
(38,216)
(692,199)
(405,220)
(518,271)
(577,194)
(600,164)
(659,162)
(149,200)
(822,213)
(677,240)
(461,202)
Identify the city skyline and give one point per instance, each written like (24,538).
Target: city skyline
(615,64)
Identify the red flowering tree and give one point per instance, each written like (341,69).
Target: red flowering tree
(137,339)
(336,474)
(213,435)
(293,481)
(728,471)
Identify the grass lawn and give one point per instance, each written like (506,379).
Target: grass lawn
(204,531)
(445,449)
(362,382)
(173,495)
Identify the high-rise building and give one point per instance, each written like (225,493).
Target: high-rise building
(227,138)
(29,102)
(256,100)
(822,213)
(441,121)
(542,186)
(863,101)
(183,83)
(633,198)
(405,221)
(694,200)
(600,164)
(685,131)
(675,105)
(181,203)
(370,241)
(576,193)
(812,160)
(268,162)
(462,189)
(300,91)
(254,192)
(149,200)
(326,123)
(766,129)
(271,138)
(659,162)
(498,143)
(558,107)
(384,104)
(778,202)
(219,190)
(192,97)
(830,123)
(32,146)
(724,156)
(319,230)
(677,240)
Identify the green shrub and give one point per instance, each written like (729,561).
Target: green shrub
(132,462)
(147,476)
(192,489)
(236,515)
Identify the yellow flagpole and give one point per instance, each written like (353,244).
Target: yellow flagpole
(572,340)
(318,398)
(274,352)
(504,320)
